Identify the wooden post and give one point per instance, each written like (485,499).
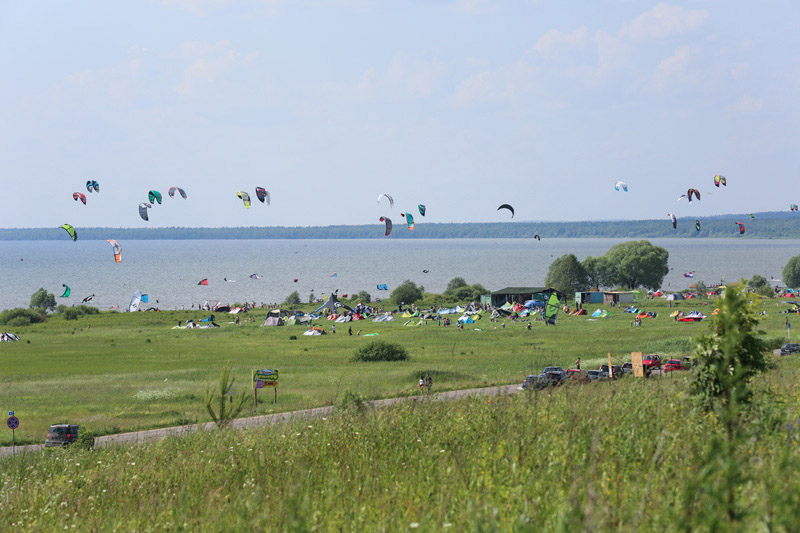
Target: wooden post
(255,397)
(610,368)
(276,394)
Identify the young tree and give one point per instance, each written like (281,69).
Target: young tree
(41,299)
(791,272)
(407,292)
(312,298)
(293,299)
(636,264)
(454,284)
(567,275)
(228,406)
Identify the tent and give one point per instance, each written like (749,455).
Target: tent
(675,296)
(278,313)
(344,318)
(466,319)
(273,321)
(312,331)
(8,337)
(332,304)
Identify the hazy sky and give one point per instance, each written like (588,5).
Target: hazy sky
(461,105)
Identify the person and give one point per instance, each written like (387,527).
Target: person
(333,328)
(237,320)
(350,331)
(428,382)
(358,333)
(578,363)
(421,383)
(529,326)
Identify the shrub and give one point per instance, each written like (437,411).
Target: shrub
(407,293)
(381,351)
(351,401)
(85,439)
(293,299)
(71,314)
(28,316)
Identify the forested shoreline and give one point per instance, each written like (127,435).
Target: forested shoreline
(772,225)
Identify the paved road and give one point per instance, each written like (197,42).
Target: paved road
(152,435)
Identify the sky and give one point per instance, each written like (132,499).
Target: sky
(461,105)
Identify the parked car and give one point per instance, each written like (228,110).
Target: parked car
(530,381)
(627,369)
(553,370)
(61,435)
(576,375)
(597,375)
(790,347)
(674,364)
(650,362)
(618,373)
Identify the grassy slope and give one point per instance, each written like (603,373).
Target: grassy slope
(617,456)
(131,372)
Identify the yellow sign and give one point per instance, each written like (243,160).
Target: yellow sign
(265,378)
(638,368)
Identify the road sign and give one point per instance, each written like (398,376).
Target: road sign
(12,422)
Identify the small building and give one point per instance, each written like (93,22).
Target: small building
(588,297)
(618,297)
(521,295)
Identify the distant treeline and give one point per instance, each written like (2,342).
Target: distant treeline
(773,225)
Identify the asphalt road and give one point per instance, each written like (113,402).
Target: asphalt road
(153,435)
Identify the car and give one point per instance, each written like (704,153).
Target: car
(617,371)
(576,374)
(651,362)
(674,364)
(790,347)
(597,375)
(627,368)
(61,435)
(553,370)
(530,381)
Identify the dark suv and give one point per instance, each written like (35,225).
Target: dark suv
(790,347)
(61,435)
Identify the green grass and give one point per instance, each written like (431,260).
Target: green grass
(616,456)
(121,372)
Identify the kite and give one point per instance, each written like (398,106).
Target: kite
(135,300)
(792,207)
(681,197)
(674,220)
(333,304)
(72,233)
(172,190)
(537,237)
(92,186)
(335,274)
(87,299)
(262,194)
(117,250)
(551,310)
(422,209)
(146,298)
(741,227)
(143,207)
(409,219)
(752,215)
(229,280)
(295,280)
(621,185)
(720,180)
(692,191)
(79,196)
(383,287)
(689,274)
(255,276)
(67,291)
(506,206)
(391,200)
(697,225)
(203,282)
(245,198)
(388,222)
(154,196)
(426,271)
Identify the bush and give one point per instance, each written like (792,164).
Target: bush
(381,351)
(773,343)
(71,314)
(351,401)
(407,293)
(26,316)
(293,299)
(85,439)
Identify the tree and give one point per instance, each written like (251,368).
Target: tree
(43,300)
(636,264)
(597,272)
(362,296)
(229,407)
(567,275)
(455,283)
(407,293)
(312,298)
(791,272)
(293,299)
(757,281)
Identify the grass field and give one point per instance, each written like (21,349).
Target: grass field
(121,372)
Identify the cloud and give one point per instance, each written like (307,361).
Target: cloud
(118,83)
(673,67)
(196,7)
(402,78)
(662,21)
(746,105)
(506,83)
(554,41)
(212,61)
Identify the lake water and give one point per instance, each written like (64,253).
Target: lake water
(169,270)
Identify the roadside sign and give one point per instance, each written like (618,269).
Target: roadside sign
(12,422)
(638,367)
(265,378)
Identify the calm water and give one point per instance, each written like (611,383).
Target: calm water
(169,270)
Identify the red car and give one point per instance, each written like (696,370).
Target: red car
(650,362)
(674,364)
